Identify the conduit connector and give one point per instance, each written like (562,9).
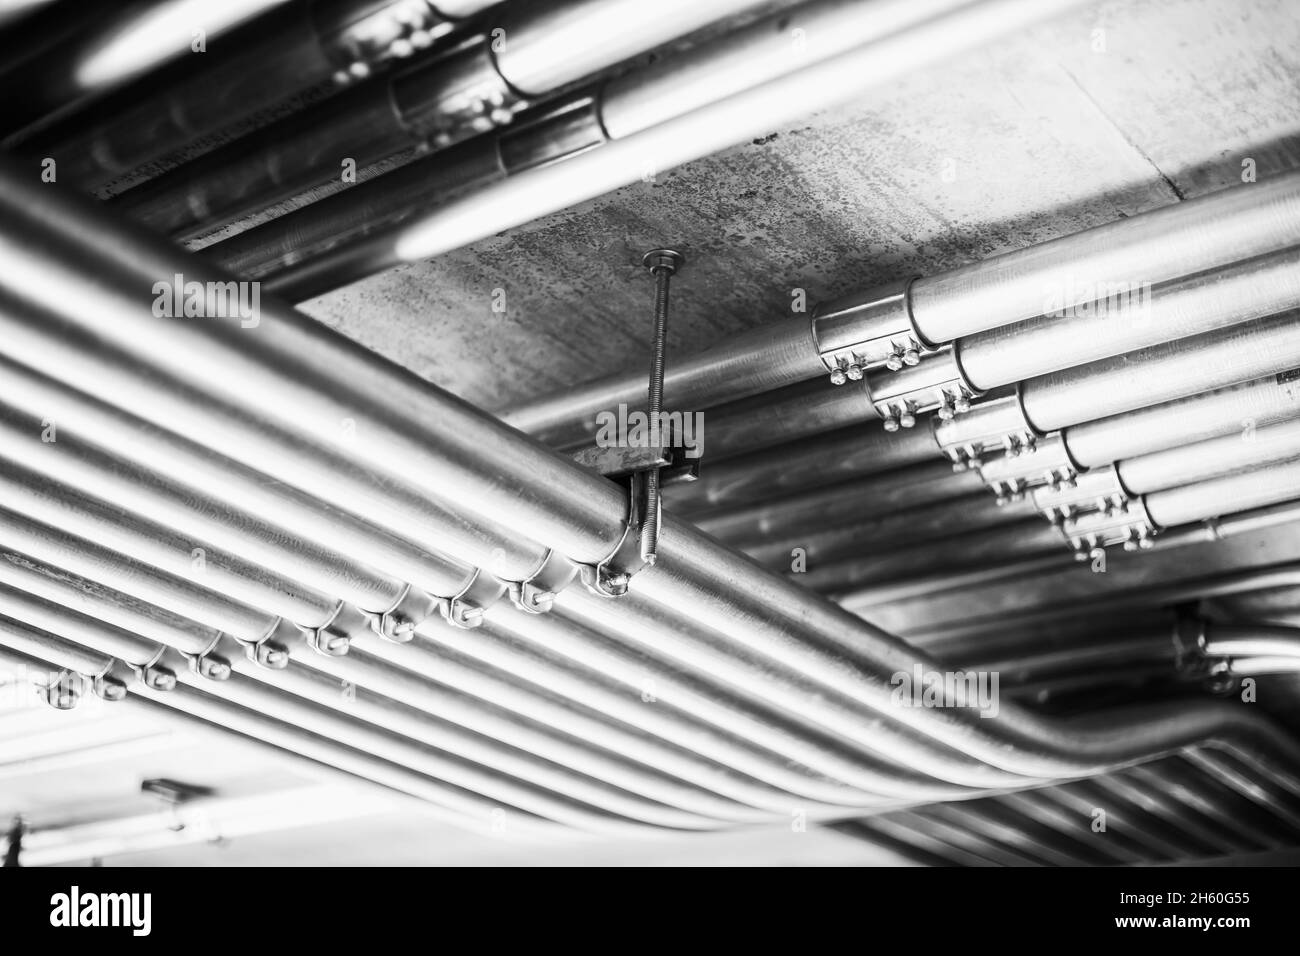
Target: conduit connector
(1091,533)
(466,609)
(412,608)
(114,681)
(1045,462)
(936,384)
(1098,489)
(996,424)
(64,691)
(536,594)
(362,38)
(867,330)
(216,662)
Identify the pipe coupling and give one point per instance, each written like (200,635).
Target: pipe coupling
(994,425)
(867,330)
(935,384)
(1095,531)
(362,38)
(1098,489)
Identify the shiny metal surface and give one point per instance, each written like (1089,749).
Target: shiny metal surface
(1188,464)
(1163,373)
(1226,495)
(1183,239)
(1132,317)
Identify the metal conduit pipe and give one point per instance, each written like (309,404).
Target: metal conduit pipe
(1271,484)
(290,456)
(193,638)
(61,592)
(1163,373)
(25,646)
(871,497)
(58,506)
(796,411)
(292,49)
(436,102)
(539,191)
(200,698)
(112,49)
(1223,411)
(560,635)
(572,511)
(158,454)
(388,731)
(582,120)
(54,547)
(1027,539)
(820,460)
(1186,465)
(132,536)
(840,538)
(1174,242)
(1130,317)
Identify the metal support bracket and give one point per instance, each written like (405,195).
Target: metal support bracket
(936,384)
(1093,531)
(610,578)
(114,681)
(466,609)
(273,649)
(412,607)
(217,662)
(536,594)
(160,672)
(866,330)
(334,637)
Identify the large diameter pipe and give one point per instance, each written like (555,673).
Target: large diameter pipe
(1234,410)
(1226,495)
(1163,373)
(1189,464)
(710,129)
(1129,316)
(1178,240)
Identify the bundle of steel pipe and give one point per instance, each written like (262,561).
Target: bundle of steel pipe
(770,640)
(541,190)
(582,120)
(440,99)
(294,49)
(1251,231)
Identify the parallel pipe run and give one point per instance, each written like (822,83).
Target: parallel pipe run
(579,121)
(1252,447)
(1241,229)
(1163,373)
(293,50)
(543,190)
(1234,410)
(452,451)
(522,51)
(1131,316)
